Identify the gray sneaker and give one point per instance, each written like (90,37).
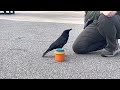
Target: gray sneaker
(107,53)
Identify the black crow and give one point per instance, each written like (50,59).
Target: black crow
(59,43)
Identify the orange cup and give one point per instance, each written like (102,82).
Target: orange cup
(59,56)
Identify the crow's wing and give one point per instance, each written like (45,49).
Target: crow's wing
(59,43)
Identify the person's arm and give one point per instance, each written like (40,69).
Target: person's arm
(89,16)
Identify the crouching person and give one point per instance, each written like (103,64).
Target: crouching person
(101,31)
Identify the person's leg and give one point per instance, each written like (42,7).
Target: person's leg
(108,30)
(4,12)
(89,40)
(13,12)
(116,22)
(9,12)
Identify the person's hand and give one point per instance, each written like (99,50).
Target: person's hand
(108,13)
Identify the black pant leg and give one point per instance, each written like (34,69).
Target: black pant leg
(89,40)
(116,21)
(108,30)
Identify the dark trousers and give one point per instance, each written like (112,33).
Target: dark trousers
(102,33)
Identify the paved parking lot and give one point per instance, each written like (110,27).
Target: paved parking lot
(71,17)
(22,44)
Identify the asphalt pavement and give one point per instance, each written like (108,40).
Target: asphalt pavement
(22,44)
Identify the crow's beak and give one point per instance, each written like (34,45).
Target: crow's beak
(70,29)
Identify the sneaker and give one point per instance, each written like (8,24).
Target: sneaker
(107,53)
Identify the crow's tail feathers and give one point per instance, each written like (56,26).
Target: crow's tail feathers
(45,53)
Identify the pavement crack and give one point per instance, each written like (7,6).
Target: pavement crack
(18,49)
(19,38)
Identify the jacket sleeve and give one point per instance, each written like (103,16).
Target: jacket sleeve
(90,16)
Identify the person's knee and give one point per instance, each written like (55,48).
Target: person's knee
(79,49)
(75,48)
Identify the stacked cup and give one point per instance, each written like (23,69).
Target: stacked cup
(59,55)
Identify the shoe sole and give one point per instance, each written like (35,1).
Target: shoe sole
(111,55)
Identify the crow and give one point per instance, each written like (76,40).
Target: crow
(59,43)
